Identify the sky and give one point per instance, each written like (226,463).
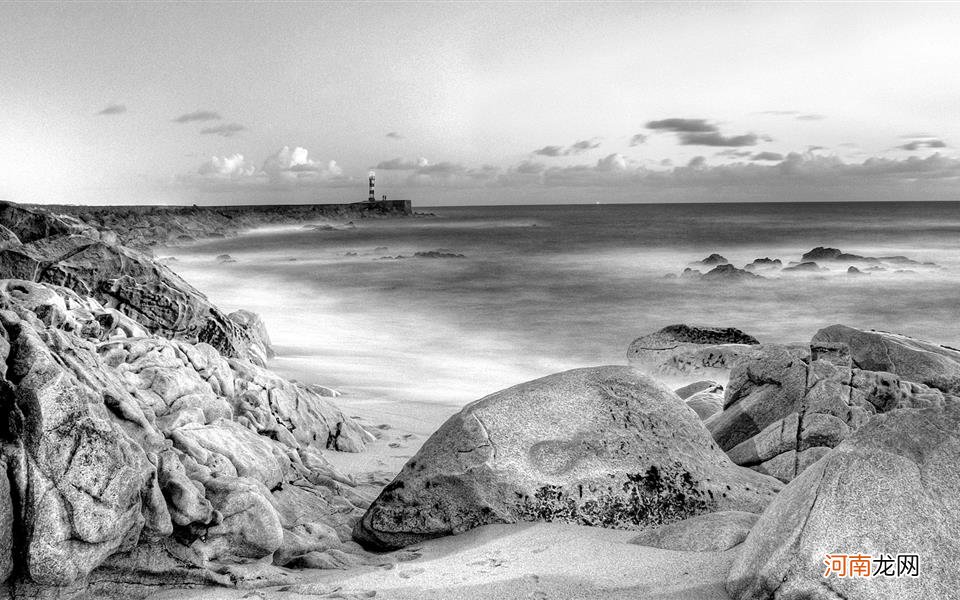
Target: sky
(478,103)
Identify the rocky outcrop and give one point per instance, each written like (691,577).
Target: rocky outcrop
(891,488)
(62,251)
(722,273)
(784,409)
(712,261)
(764,264)
(603,446)
(683,354)
(706,403)
(153,459)
(803,267)
(712,532)
(912,359)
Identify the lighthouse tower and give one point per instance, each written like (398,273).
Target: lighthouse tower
(372,197)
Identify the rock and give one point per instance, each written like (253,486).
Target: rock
(912,359)
(706,403)
(712,532)
(135,460)
(438,254)
(729,272)
(697,387)
(826,254)
(760,264)
(892,487)
(681,354)
(256,332)
(804,267)
(855,271)
(712,261)
(783,409)
(604,446)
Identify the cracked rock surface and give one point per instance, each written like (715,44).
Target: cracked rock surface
(892,487)
(605,446)
(784,409)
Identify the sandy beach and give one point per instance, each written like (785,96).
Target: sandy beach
(536,561)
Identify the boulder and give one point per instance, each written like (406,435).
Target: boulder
(914,360)
(762,264)
(712,532)
(712,261)
(890,488)
(605,446)
(784,409)
(697,387)
(683,354)
(706,403)
(257,332)
(804,267)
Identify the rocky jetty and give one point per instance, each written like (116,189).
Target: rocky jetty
(144,227)
(143,442)
(604,446)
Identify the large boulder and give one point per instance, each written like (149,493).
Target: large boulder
(784,409)
(913,360)
(891,488)
(604,446)
(683,354)
(130,459)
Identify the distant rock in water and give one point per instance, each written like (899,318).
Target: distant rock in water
(764,264)
(855,271)
(225,258)
(671,335)
(728,272)
(804,267)
(397,257)
(604,446)
(823,254)
(712,261)
(439,253)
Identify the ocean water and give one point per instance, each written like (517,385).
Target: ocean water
(541,289)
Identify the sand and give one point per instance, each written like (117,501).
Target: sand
(531,561)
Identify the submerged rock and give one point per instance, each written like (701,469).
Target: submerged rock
(602,446)
(804,267)
(764,264)
(729,273)
(891,488)
(712,261)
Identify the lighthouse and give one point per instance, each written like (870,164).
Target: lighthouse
(372,197)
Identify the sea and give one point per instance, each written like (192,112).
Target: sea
(506,294)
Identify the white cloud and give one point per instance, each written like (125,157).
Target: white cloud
(288,167)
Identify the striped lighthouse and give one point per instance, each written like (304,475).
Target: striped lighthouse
(372,197)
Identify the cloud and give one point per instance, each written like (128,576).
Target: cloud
(224,130)
(810,117)
(779,113)
(550,151)
(399,164)
(530,168)
(198,115)
(768,156)
(697,162)
(717,139)
(575,148)
(731,153)
(113,109)
(284,169)
(678,125)
(637,139)
(925,143)
(583,146)
(227,167)
(393,135)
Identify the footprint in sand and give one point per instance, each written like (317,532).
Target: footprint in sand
(407,574)
(487,562)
